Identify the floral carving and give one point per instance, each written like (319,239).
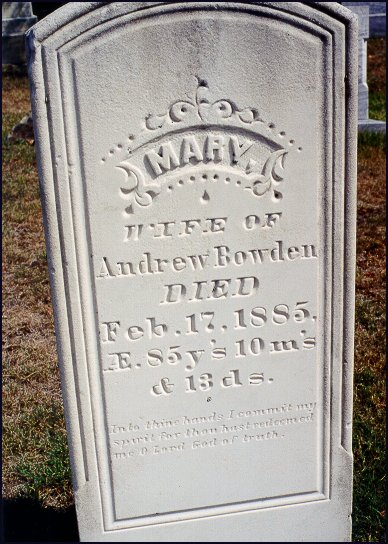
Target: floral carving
(135,190)
(272,171)
(202,108)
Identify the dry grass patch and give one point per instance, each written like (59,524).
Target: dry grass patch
(369,371)
(16,94)
(35,456)
(371,215)
(376,64)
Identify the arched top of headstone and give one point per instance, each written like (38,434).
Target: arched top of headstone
(87,15)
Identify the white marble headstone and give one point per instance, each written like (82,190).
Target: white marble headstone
(198,174)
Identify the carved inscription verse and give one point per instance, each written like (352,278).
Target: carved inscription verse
(209,310)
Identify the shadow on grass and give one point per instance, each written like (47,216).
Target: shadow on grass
(26,521)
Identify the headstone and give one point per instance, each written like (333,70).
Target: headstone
(364,122)
(363,34)
(198,170)
(17,17)
(377,17)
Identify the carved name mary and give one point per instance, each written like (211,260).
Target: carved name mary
(198,179)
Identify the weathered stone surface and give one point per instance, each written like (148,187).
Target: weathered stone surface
(198,176)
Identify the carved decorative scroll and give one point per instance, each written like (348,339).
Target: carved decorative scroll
(201,107)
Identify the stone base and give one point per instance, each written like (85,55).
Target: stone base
(371,125)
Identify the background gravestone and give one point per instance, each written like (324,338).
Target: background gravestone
(362,13)
(17,18)
(364,122)
(198,174)
(377,17)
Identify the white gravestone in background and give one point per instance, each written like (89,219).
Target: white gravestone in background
(364,123)
(362,13)
(198,171)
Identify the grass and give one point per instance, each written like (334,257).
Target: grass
(41,476)
(377,106)
(35,454)
(370,343)
(44,472)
